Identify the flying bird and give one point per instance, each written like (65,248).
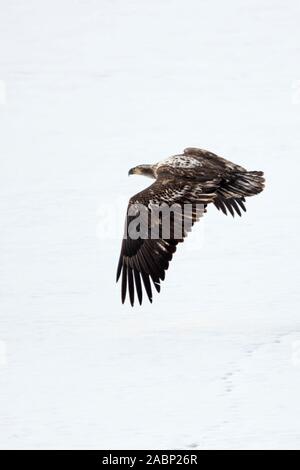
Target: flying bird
(192,179)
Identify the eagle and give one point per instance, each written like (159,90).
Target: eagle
(193,179)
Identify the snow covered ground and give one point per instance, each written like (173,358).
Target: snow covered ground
(88,89)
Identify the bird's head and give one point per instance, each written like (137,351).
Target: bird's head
(145,170)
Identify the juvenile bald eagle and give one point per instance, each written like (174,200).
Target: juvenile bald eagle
(196,177)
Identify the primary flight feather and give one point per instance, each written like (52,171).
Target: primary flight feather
(190,180)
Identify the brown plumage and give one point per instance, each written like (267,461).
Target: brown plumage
(190,181)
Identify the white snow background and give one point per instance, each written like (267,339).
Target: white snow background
(89,89)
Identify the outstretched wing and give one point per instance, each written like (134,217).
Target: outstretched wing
(148,244)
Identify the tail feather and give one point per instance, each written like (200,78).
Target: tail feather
(250,183)
(231,195)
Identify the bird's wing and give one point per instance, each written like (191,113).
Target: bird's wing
(212,161)
(148,244)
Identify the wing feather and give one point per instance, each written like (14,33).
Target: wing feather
(149,258)
(130,285)
(124,282)
(138,285)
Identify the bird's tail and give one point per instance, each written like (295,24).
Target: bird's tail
(249,183)
(231,196)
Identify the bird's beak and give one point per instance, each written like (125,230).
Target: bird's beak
(131,171)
